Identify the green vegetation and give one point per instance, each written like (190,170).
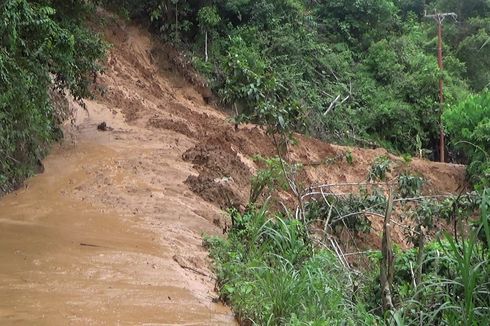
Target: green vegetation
(338,212)
(272,271)
(349,158)
(409,185)
(453,287)
(269,178)
(379,169)
(468,123)
(455,282)
(339,69)
(272,275)
(355,72)
(43,49)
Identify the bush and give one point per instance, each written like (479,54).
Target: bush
(379,169)
(409,185)
(271,275)
(468,124)
(43,48)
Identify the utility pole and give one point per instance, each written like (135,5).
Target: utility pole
(439,18)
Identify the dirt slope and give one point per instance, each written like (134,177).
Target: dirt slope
(143,83)
(111,233)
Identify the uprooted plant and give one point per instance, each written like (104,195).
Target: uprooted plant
(348,211)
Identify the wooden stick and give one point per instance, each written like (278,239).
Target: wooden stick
(387,263)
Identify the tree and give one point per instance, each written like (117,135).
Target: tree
(43,47)
(208,18)
(468,125)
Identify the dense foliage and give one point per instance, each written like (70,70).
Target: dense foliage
(271,272)
(468,123)
(43,48)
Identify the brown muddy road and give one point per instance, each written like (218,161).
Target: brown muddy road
(110,234)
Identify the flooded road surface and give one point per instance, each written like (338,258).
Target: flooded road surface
(68,257)
(110,234)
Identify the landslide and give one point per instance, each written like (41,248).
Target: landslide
(123,208)
(155,88)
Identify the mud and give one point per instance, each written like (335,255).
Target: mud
(106,237)
(111,233)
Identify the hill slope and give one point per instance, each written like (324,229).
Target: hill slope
(112,230)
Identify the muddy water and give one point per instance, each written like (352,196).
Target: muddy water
(68,257)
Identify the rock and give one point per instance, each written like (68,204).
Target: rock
(102,126)
(39,166)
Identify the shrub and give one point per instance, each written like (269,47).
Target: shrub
(409,185)
(379,169)
(468,124)
(43,47)
(271,275)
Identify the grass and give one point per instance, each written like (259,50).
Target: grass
(456,286)
(271,275)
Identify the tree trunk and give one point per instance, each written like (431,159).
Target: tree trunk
(420,255)
(206,46)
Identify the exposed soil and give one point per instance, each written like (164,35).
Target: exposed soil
(111,232)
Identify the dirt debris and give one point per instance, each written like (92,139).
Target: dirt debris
(104,127)
(176,125)
(158,89)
